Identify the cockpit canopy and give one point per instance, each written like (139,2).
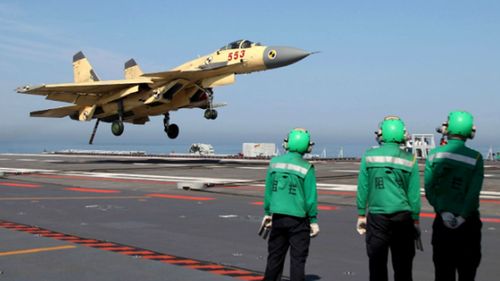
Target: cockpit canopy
(239,44)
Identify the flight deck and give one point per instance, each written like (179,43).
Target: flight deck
(95,217)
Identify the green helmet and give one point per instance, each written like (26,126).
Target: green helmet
(460,123)
(392,129)
(298,140)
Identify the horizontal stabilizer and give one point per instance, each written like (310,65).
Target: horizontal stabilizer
(58,112)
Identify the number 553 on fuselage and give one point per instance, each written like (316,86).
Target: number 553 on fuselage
(141,95)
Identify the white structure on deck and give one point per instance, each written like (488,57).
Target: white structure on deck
(201,149)
(421,144)
(259,149)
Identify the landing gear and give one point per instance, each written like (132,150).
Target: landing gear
(117,125)
(210,112)
(117,128)
(91,140)
(172,130)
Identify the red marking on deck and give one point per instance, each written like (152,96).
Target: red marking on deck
(158,257)
(490,201)
(86,241)
(117,248)
(68,238)
(179,197)
(92,190)
(320,207)
(24,185)
(180,261)
(428,215)
(53,235)
(493,220)
(136,253)
(205,266)
(148,181)
(100,245)
(432,215)
(213,268)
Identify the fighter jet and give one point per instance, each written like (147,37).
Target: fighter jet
(141,95)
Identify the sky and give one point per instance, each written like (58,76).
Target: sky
(416,59)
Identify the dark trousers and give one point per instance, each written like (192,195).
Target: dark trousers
(456,250)
(397,233)
(287,232)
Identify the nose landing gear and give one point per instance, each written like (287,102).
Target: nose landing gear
(210,112)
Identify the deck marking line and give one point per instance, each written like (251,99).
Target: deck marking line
(36,250)
(25,185)
(92,190)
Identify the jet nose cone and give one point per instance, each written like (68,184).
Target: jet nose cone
(278,56)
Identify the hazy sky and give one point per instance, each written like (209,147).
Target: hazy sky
(416,59)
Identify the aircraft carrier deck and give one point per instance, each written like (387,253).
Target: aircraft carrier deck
(76,217)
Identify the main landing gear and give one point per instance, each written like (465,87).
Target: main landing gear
(172,130)
(117,125)
(117,128)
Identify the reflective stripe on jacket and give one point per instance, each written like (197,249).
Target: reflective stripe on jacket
(453,178)
(291,187)
(388,182)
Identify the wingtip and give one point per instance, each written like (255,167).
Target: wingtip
(78,56)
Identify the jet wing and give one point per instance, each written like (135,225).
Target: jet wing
(58,112)
(88,88)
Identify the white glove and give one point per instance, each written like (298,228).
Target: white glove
(314,229)
(361,225)
(267,221)
(450,221)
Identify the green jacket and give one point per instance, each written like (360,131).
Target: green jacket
(291,187)
(388,182)
(453,178)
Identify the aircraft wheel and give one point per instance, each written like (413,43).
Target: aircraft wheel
(210,114)
(117,128)
(172,131)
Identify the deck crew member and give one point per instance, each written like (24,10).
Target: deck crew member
(453,179)
(388,201)
(290,206)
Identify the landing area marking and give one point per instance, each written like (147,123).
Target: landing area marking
(213,268)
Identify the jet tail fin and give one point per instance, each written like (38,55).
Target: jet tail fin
(82,70)
(132,69)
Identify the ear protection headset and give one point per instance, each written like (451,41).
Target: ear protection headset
(443,129)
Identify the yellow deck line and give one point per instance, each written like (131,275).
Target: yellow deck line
(36,250)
